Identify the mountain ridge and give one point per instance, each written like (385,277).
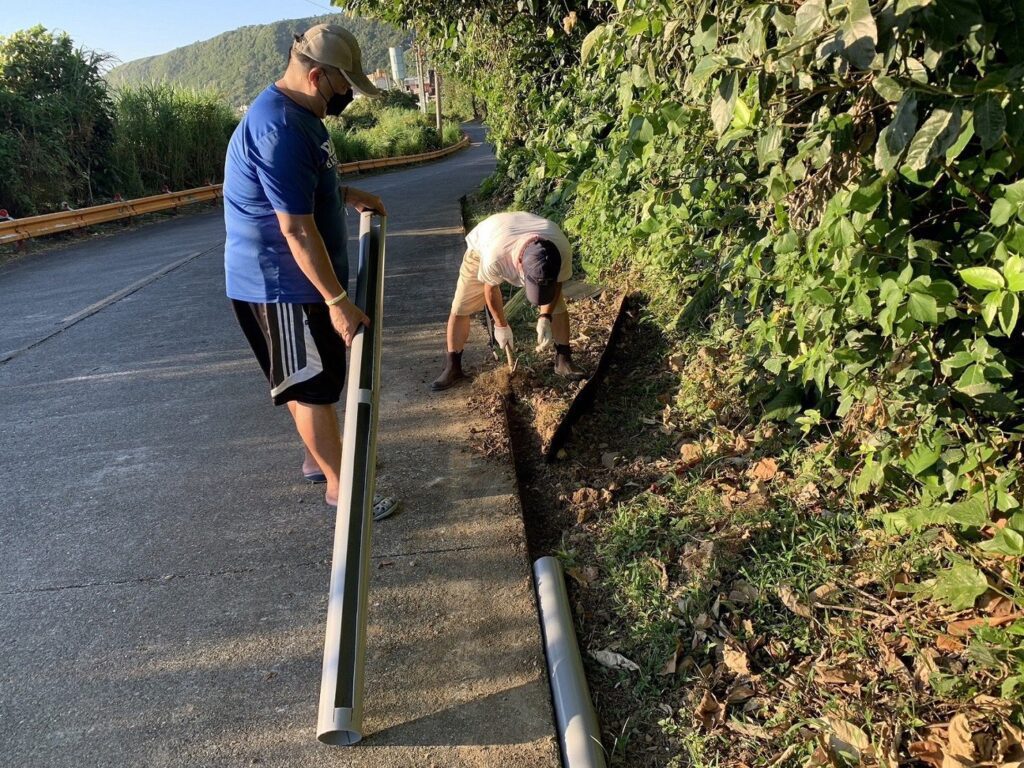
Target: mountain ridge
(240,63)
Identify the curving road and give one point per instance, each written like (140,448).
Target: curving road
(163,568)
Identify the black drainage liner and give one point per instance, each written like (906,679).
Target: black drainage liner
(584,399)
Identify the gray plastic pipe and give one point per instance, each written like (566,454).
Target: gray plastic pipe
(340,716)
(578,733)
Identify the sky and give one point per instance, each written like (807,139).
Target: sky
(131,29)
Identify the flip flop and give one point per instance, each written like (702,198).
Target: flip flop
(383,506)
(313,473)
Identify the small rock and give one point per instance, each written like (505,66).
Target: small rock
(608,459)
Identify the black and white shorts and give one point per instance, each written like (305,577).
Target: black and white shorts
(298,349)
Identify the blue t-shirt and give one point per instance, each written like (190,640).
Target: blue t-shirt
(280,158)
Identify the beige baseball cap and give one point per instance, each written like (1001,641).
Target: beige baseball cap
(336,47)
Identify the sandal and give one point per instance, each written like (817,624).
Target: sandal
(383,506)
(311,470)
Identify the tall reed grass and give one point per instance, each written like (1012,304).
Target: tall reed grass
(166,136)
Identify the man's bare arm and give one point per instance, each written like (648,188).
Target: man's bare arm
(310,253)
(495,303)
(548,309)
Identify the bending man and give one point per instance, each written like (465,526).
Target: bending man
(524,250)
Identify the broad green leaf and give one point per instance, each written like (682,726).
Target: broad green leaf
(982,278)
(784,404)
(894,137)
(1014,192)
(972,382)
(960,586)
(962,140)
(768,145)
(866,199)
(923,308)
(1002,211)
(989,119)
(638,26)
(1013,272)
(1005,542)
(971,513)
(922,458)
(991,305)
(705,69)
(943,291)
(810,18)
(860,34)
(723,103)
(741,114)
(888,88)
(1009,312)
(706,36)
(936,136)
(904,6)
(590,41)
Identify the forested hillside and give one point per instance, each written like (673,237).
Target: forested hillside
(240,64)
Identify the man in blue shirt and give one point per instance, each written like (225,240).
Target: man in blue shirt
(285,261)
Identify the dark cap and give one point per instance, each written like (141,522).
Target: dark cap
(542,262)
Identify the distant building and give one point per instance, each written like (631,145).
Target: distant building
(380,79)
(397,56)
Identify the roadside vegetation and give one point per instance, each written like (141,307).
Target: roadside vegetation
(69,140)
(805,548)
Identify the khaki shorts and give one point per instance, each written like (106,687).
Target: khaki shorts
(469,293)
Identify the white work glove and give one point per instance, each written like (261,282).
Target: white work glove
(503,336)
(544,338)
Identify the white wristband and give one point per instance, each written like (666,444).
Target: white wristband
(337,299)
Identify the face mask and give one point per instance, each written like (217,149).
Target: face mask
(338,101)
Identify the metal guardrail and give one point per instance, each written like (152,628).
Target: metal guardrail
(62,221)
(16,230)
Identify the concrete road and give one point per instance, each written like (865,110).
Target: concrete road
(164,567)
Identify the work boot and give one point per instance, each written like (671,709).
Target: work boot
(564,365)
(451,374)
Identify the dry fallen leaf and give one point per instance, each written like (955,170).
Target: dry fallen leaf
(709,713)
(824,592)
(927,752)
(962,628)
(690,455)
(614,660)
(739,692)
(791,601)
(764,470)
(743,593)
(835,676)
(747,729)
(960,744)
(672,664)
(662,573)
(948,644)
(925,667)
(847,739)
(735,659)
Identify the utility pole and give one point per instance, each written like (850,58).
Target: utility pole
(437,98)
